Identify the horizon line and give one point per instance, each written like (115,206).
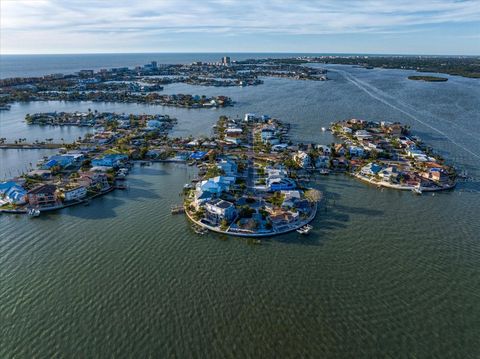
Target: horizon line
(242,52)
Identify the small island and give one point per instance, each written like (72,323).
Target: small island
(428,78)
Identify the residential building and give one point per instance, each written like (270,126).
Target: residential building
(302,159)
(217,210)
(111,160)
(228,167)
(43,196)
(363,134)
(12,192)
(76,193)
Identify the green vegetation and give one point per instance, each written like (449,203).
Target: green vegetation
(428,78)
(468,66)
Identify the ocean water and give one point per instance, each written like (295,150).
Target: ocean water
(383,274)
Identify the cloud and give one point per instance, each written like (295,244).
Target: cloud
(95,20)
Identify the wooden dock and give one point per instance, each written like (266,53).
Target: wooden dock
(177,209)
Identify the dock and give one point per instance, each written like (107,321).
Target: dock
(177,209)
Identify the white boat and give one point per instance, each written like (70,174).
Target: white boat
(199,230)
(417,190)
(305,229)
(323,129)
(32,212)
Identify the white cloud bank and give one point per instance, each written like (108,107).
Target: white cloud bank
(86,25)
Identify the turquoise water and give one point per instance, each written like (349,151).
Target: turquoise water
(383,274)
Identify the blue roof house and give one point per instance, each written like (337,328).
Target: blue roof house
(12,192)
(111,160)
(58,160)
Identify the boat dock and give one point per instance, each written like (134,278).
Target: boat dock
(177,209)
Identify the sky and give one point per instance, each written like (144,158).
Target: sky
(437,27)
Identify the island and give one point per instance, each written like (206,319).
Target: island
(252,180)
(428,78)
(144,84)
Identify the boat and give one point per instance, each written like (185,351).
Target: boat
(305,229)
(199,230)
(417,190)
(32,212)
(324,171)
(323,129)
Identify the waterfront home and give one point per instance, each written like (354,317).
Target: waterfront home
(43,174)
(200,197)
(272,172)
(153,125)
(250,117)
(279,147)
(233,140)
(389,174)
(282,218)
(267,134)
(435,174)
(12,192)
(322,162)
(371,169)
(356,151)
(326,150)
(363,135)
(103,137)
(43,196)
(61,161)
(198,155)
(110,160)
(340,149)
(217,210)
(75,193)
(94,180)
(280,184)
(302,159)
(290,197)
(216,185)
(233,131)
(417,154)
(228,167)
(347,130)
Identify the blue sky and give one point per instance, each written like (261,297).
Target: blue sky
(343,26)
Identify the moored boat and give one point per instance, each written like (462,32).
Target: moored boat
(32,212)
(305,229)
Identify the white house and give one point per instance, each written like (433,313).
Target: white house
(324,149)
(302,159)
(76,193)
(250,117)
(218,210)
(362,134)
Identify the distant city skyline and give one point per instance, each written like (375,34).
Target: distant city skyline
(435,27)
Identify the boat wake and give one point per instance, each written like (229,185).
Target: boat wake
(388,100)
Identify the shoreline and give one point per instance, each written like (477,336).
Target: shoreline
(256,235)
(401,187)
(57,208)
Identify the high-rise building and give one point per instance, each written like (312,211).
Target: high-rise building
(226,60)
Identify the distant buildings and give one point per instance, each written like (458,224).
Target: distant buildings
(226,60)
